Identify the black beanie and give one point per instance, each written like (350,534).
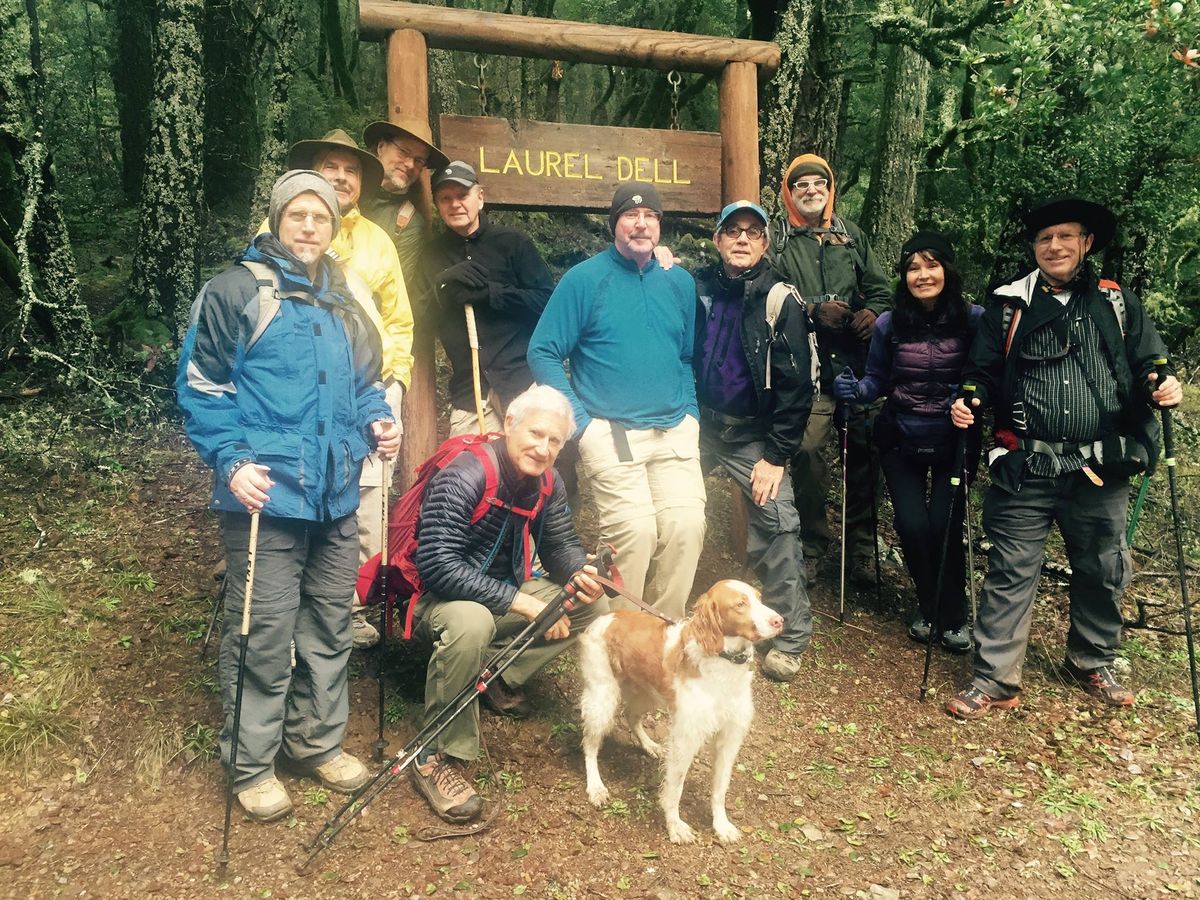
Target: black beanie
(631,195)
(926,240)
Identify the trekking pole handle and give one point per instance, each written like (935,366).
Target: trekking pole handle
(1160,368)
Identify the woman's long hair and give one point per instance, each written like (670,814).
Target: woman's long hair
(949,314)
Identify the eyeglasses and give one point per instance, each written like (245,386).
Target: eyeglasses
(319,220)
(1062,237)
(632,216)
(818,183)
(754,232)
(418,161)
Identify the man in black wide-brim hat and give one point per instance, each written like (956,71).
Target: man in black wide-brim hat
(1068,362)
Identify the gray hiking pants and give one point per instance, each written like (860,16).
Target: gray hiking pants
(303,573)
(1092,522)
(773,545)
(465,635)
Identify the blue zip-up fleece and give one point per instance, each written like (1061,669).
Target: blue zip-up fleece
(628,334)
(300,400)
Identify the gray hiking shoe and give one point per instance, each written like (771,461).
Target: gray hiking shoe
(363,633)
(266,801)
(442,783)
(958,640)
(343,773)
(779,665)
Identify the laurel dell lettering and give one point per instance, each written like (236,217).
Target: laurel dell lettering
(572,164)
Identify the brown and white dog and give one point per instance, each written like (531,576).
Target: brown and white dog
(699,669)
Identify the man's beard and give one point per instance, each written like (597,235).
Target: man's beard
(397,184)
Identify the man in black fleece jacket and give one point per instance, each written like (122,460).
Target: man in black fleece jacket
(479,588)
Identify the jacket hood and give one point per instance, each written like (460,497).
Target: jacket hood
(794,217)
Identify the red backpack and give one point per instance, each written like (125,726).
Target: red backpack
(404,582)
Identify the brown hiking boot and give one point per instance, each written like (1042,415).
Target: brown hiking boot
(1100,683)
(973,703)
(442,783)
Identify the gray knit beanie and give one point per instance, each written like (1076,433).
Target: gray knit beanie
(291,185)
(631,195)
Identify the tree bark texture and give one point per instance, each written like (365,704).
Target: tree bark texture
(133,78)
(888,208)
(52,323)
(231,129)
(331,26)
(163,281)
(283,27)
(778,114)
(820,104)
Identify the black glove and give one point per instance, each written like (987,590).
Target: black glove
(467,275)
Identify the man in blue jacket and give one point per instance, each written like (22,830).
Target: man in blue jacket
(627,327)
(279,383)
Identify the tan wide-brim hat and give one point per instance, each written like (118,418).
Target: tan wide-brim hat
(304,153)
(406,127)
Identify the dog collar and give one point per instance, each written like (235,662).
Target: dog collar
(738,659)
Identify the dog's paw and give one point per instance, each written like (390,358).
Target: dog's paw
(727,832)
(597,795)
(680,832)
(652,748)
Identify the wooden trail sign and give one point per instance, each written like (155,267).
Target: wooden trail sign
(544,165)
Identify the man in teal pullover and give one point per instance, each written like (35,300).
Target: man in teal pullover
(627,326)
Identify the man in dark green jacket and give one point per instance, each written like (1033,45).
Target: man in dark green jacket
(830,263)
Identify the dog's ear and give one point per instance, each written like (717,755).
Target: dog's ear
(706,623)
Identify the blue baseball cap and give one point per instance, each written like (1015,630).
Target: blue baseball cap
(738,206)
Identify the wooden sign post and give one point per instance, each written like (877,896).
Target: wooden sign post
(541,165)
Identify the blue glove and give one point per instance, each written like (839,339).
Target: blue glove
(845,386)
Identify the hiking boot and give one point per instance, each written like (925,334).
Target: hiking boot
(973,703)
(862,572)
(266,801)
(919,629)
(1100,683)
(441,782)
(812,567)
(343,773)
(958,640)
(363,634)
(779,665)
(504,700)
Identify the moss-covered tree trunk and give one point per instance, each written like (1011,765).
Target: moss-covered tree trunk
(283,29)
(163,282)
(778,110)
(888,209)
(822,97)
(133,80)
(52,324)
(232,134)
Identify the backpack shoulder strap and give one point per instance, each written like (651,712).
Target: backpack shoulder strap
(1116,297)
(268,298)
(1010,318)
(776,297)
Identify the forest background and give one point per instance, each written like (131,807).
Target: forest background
(139,140)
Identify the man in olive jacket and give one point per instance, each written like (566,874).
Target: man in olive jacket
(831,264)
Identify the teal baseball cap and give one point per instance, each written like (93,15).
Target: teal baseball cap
(738,206)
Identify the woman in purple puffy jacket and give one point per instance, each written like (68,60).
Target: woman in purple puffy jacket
(916,359)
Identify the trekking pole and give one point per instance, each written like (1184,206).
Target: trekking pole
(873,473)
(1169,452)
(381,588)
(966,483)
(212,620)
(841,416)
(244,637)
(956,479)
(476,382)
(470,693)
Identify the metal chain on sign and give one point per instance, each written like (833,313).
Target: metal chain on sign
(481,64)
(674,78)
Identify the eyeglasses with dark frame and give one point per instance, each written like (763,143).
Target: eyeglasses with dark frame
(753,232)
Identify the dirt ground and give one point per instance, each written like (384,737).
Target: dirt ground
(846,786)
